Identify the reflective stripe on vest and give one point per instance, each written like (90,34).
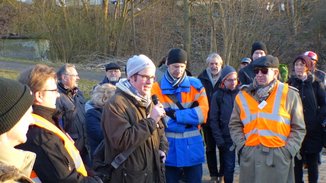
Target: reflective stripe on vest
(68,143)
(34,177)
(183,135)
(270,125)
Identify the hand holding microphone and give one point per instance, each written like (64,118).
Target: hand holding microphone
(160,109)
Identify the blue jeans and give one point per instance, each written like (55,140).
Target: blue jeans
(227,161)
(193,174)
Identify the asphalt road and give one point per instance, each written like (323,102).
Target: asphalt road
(84,74)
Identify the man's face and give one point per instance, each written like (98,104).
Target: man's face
(215,65)
(17,134)
(265,76)
(257,54)
(70,79)
(113,74)
(177,69)
(231,81)
(48,95)
(143,81)
(300,68)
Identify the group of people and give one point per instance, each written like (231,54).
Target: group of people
(149,126)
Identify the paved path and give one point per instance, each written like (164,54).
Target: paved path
(322,172)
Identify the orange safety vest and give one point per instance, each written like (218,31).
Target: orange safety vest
(267,124)
(68,143)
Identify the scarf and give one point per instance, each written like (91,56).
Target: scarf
(213,78)
(262,92)
(127,87)
(175,82)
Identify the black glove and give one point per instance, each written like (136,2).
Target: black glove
(171,114)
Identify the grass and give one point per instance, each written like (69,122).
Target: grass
(85,85)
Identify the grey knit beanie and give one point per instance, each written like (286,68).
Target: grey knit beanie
(138,63)
(15,100)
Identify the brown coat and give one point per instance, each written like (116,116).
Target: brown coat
(125,124)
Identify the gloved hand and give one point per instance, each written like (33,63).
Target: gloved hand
(170,113)
(162,156)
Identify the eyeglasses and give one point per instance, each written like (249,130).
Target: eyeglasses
(53,90)
(146,77)
(263,70)
(73,75)
(231,80)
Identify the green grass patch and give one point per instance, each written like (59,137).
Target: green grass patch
(84,85)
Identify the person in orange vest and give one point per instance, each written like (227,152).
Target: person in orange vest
(15,117)
(58,160)
(186,105)
(267,126)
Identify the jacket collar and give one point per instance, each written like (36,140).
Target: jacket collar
(22,160)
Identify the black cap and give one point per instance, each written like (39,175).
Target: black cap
(16,99)
(177,55)
(258,45)
(112,66)
(267,61)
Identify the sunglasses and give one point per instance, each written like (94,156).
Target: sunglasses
(263,70)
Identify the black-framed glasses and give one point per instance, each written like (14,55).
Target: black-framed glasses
(263,70)
(146,77)
(53,90)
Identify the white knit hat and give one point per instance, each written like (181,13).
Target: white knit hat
(138,63)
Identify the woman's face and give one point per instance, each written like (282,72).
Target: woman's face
(300,68)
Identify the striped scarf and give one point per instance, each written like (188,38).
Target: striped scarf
(175,82)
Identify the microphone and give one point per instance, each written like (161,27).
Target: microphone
(155,102)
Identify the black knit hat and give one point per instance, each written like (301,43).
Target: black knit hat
(177,55)
(15,100)
(268,61)
(258,45)
(112,66)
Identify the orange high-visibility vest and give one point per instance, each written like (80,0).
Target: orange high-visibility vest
(267,124)
(68,143)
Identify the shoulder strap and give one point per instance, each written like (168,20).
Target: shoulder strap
(175,100)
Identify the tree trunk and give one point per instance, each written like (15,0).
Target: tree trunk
(187,34)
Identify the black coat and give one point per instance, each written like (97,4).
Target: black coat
(220,112)
(312,93)
(53,163)
(210,89)
(246,75)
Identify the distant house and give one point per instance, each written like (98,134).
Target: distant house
(23,47)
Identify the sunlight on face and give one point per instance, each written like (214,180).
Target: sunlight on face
(17,134)
(143,81)
(177,69)
(265,79)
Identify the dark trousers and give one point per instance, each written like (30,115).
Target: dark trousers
(312,162)
(210,151)
(227,162)
(192,174)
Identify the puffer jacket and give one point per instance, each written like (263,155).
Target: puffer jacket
(125,125)
(312,93)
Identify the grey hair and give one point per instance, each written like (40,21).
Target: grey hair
(213,56)
(63,70)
